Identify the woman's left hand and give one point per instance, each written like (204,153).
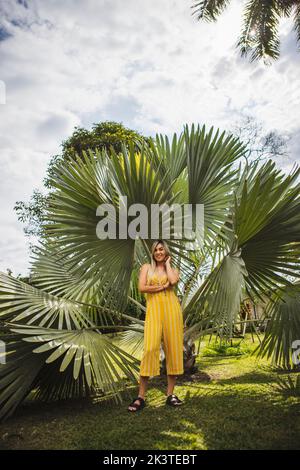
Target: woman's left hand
(168,260)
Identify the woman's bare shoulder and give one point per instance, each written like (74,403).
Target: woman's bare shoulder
(145,267)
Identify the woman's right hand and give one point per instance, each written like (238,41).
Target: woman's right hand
(164,286)
(160,288)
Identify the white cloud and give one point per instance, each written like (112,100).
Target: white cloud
(148,64)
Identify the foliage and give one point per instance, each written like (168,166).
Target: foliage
(289,385)
(103,135)
(233,403)
(260,25)
(225,349)
(81,284)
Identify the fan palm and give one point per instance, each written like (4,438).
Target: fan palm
(260,25)
(56,329)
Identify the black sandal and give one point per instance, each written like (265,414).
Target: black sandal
(173,400)
(137,406)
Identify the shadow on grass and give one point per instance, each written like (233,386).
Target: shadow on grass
(211,418)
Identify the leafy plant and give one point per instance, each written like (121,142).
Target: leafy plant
(82,287)
(289,385)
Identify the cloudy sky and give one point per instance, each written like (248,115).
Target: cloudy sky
(148,64)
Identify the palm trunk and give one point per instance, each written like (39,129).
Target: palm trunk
(189,358)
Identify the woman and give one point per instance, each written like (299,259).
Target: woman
(163,316)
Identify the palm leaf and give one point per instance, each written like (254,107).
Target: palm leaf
(21,302)
(132,341)
(209,10)
(297,21)
(168,156)
(17,374)
(283,327)
(78,361)
(72,217)
(217,301)
(260,30)
(267,227)
(211,178)
(54,274)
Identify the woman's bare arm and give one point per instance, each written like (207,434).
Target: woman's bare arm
(143,281)
(172,273)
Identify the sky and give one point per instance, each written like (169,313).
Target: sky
(148,64)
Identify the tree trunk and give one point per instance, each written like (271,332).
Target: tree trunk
(189,358)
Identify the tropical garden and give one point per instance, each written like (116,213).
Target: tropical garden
(60,325)
(71,333)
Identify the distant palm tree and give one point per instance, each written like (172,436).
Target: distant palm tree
(260,27)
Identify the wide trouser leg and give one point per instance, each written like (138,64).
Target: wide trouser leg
(173,337)
(150,365)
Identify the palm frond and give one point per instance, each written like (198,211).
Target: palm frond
(260,30)
(168,156)
(289,385)
(283,327)
(17,374)
(209,10)
(217,301)
(267,227)
(132,340)
(211,178)
(297,21)
(54,274)
(61,364)
(21,302)
(286,6)
(72,215)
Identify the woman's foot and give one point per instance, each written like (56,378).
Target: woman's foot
(137,404)
(173,400)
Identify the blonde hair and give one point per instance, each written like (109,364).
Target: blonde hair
(154,245)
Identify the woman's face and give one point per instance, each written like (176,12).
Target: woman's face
(159,252)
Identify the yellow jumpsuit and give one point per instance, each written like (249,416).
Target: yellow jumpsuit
(163,315)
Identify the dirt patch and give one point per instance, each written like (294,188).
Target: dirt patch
(197,376)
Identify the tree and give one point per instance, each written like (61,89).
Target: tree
(103,135)
(56,328)
(261,145)
(260,27)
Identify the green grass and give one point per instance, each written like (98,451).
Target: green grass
(233,402)
(238,348)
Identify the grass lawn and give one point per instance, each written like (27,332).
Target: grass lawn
(231,403)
